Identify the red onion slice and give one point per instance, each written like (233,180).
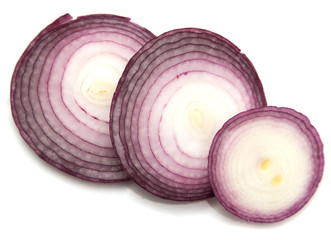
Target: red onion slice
(173,96)
(62,87)
(265,164)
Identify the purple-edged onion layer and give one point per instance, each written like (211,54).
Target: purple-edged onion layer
(62,87)
(173,96)
(265,164)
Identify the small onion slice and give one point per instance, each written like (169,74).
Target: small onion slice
(265,164)
(62,88)
(173,96)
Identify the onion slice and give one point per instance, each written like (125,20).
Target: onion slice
(173,96)
(62,88)
(265,164)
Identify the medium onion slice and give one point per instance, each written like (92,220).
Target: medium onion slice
(173,96)
(265,164)
(62,88)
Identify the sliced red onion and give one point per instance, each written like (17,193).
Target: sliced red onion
(173,96)
(265,164)
(62,87)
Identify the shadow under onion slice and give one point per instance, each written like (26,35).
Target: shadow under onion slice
(173,96)
(62,88)
(265,164)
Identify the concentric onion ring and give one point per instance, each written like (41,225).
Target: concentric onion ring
(62,87)
(173,96)
(265,164)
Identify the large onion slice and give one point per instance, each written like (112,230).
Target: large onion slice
(62,87)
(265,164)
(173,96)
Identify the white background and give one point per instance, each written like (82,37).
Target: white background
(289,43)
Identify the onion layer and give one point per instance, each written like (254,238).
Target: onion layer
(62,87)
(173,96)
(265,164)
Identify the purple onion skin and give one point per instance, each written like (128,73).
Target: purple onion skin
(109,172)
(135,66)
(317,158)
